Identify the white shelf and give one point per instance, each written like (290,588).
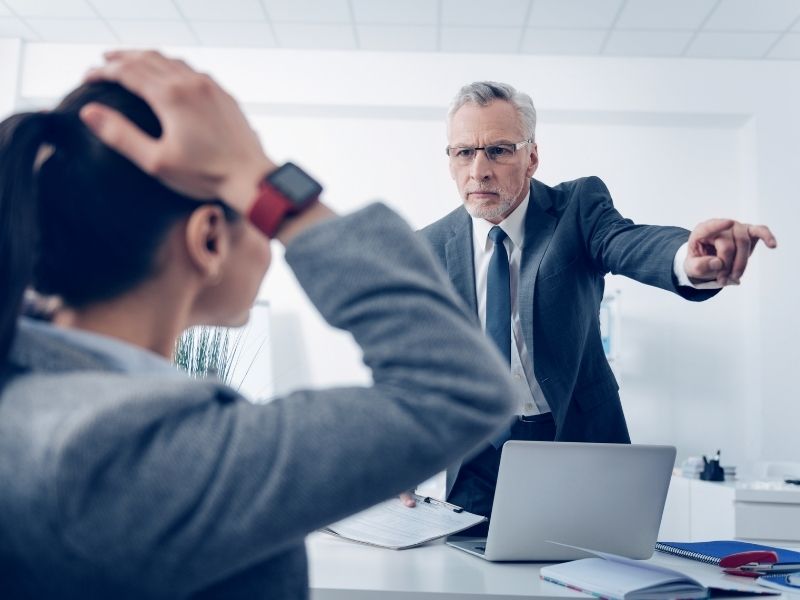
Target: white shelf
(704,510)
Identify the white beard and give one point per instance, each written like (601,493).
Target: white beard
(494,212)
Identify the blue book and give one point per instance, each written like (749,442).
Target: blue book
(715,551)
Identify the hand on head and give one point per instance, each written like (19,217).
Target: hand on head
(720,248)
(207,148)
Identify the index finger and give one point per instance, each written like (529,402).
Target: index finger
(762,232)
(138,77)
(152,58)
(712,227)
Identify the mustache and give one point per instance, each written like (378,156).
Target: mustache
(481,189)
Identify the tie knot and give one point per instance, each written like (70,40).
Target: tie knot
(497,235)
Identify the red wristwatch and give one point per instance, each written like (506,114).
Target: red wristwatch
(285,192)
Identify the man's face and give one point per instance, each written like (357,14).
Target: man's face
(491,190)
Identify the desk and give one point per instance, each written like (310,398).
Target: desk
(341,570)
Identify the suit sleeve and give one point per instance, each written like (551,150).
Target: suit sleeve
(199,491)
(618,245)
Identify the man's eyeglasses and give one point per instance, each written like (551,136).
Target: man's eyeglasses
(500,153)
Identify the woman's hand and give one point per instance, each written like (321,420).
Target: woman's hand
(207,148)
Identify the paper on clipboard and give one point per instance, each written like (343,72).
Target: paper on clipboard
(391,524)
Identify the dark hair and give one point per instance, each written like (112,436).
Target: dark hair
(86,223)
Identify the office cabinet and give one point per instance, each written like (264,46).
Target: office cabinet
(703,510)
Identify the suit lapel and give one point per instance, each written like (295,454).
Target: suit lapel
(461,263)
(539,227)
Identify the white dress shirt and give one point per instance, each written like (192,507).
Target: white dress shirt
(531,400)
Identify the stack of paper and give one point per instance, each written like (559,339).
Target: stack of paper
(394,525)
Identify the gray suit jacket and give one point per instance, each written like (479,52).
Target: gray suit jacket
(153,486)
(573,237)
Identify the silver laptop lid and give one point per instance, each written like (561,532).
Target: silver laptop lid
(606,497)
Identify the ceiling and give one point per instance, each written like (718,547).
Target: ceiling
(723,29)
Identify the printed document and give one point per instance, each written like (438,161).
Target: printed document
(391,524)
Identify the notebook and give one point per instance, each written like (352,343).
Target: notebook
(613,577)
(714,551)
(784,583)
(618,578)
(603,496)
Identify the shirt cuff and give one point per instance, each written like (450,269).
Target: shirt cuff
(680,272)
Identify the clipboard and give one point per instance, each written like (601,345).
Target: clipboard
(393,525)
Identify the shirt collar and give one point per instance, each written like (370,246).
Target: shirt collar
(115,354)
(513,225)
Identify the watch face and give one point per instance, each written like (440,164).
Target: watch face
(295,184)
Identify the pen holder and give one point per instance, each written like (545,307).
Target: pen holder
(712,471)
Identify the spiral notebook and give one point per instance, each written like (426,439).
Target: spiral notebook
(713,552)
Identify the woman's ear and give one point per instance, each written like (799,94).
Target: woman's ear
(208,242)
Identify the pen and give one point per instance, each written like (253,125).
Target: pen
(453,507)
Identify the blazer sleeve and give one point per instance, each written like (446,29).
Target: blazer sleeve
(178,494)
(620,246)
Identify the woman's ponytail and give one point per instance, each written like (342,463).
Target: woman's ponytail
(21,137)
(79,221)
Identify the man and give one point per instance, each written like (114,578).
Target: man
(539,297)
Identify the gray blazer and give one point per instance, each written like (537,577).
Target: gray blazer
(152,486)
(573,237)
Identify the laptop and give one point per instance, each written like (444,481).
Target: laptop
(606,497)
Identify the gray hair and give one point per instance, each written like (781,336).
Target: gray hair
(484,93)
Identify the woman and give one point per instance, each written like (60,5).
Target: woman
(121,478)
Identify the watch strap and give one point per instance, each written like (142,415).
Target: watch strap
(270,209)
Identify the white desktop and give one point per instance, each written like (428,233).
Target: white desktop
(342,570)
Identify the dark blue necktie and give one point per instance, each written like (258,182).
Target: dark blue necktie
(498,295)
(498,307)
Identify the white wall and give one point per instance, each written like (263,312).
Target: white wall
(677,141)
(9,73)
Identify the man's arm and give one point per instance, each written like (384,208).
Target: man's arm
(716,251)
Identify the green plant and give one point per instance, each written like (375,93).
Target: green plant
(229,354)
(206,351)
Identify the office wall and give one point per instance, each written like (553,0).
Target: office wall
(9,72)
(676,141)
